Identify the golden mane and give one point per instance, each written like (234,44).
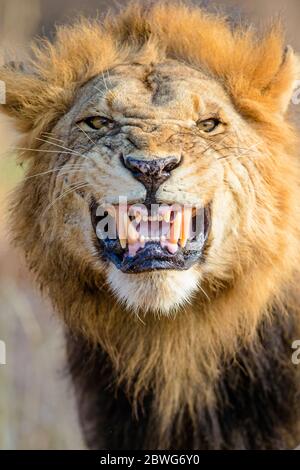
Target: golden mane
(179,359)
(253,68)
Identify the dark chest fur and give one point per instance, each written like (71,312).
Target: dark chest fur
(257,400)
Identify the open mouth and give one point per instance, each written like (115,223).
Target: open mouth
(137,238)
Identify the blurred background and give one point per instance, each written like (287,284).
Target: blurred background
(37,409)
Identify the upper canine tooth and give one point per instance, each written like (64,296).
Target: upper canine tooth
(176,228)
(122,226)
(185,226)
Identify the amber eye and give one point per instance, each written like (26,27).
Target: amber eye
(98,122)
(208,125)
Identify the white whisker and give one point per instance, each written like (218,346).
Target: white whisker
(67,169)
(60,146)
(69,191)
(86,134)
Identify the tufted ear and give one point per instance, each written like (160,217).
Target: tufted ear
(281,88)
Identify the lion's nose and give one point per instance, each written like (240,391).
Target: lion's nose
(152,173)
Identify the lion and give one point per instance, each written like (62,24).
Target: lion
(177,338)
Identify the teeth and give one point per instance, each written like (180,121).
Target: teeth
(185,226)
(133,236)
(122,226)
(164,214)
(172,247)
(176,228)
(138,217)
(138,232)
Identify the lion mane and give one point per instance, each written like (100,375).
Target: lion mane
(217,374)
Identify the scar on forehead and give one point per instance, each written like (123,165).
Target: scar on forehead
(159,86)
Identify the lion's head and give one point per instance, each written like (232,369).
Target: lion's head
(183,117)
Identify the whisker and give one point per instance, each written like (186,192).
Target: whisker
(46,151)
(86,134)
(246,153)
(68,169)
(61,146)
(102,92)
(211,145)
(108,76)
(104,81)
(65,193)
(203,291)
(50,136)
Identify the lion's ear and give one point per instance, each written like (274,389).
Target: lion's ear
(282,87)
(20,91)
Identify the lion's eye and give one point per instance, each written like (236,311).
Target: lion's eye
(208,125)
(98,122)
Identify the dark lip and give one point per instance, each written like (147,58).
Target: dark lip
(152,257)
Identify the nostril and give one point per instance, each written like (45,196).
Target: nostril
(171,163)
(135,165)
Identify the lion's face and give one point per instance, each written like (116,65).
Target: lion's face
(166,140)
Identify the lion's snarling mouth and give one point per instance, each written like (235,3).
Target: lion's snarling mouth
(142,239)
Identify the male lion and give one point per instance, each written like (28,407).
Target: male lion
(183,338)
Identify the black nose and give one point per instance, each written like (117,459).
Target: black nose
(152,173)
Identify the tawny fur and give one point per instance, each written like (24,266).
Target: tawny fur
(178,358)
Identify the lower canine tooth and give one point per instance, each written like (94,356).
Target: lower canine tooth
(123,243)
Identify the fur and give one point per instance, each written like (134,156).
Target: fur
(208,371)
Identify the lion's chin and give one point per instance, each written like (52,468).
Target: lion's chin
(160,292)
